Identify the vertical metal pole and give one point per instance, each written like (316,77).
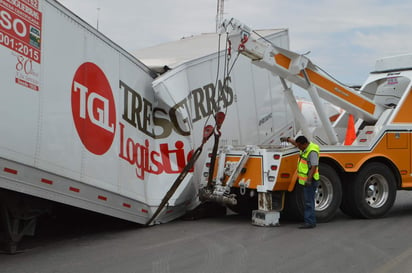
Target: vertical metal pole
(330,132)
(98,17)
(295,109)
(219,14)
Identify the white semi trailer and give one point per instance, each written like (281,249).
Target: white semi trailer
(76,123)
(86,124)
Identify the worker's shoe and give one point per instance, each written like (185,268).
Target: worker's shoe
(306,225)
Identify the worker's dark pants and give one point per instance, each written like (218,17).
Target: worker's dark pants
(309,197)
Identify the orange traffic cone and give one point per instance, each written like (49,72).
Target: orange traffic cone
(350,131)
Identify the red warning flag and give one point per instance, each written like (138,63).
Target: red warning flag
(350,131)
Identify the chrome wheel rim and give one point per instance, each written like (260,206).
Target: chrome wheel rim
(376,191)
(324,194)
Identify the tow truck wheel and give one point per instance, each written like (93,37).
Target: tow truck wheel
(374,190)
(327,198)
(328,194)
(294,204)
(348,206)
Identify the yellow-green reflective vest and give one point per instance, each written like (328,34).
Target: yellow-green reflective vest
(303,168)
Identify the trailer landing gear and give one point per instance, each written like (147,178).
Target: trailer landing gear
(18,214)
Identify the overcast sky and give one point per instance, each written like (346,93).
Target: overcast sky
(345,37)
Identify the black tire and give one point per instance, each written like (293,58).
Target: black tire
(327,198)
(348,205)
(328,195)
(373,191)
(294,204)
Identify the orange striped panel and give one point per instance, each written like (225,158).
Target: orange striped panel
(288,166)
(390,146)
(254,171)
(340,92)
(282,60)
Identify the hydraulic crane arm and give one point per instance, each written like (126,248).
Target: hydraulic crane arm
(298,69)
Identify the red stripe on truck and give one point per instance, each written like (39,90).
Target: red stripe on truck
(101,197)
(46,181)
(12,171)
(74,189)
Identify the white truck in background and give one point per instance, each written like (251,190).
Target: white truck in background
(361,178)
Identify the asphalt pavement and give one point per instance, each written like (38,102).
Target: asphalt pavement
(90,243)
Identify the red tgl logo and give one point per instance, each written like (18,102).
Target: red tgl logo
(93,108)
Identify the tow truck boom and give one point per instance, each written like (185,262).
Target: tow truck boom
(298,69)
(361,179)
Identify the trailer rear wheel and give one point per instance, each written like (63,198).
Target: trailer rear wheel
(373,191)
(328,194)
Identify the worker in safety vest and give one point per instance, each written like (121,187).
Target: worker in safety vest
(308,176)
